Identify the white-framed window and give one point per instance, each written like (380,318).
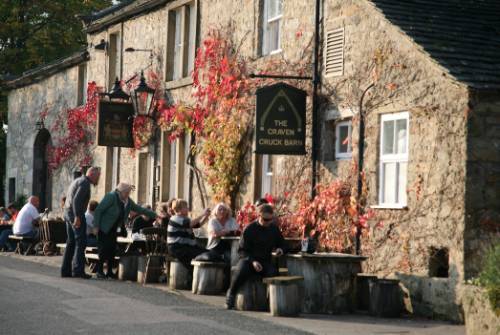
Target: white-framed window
(343,142)
(267,175)
(181,43)
(82,84)
(113,59)
(394,136)
(271,30)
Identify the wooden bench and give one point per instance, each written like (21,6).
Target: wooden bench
(62,246)
(286,295)
(19,240)
(208,277)
(252,295)
(93,258)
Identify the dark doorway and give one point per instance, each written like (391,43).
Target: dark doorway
(41,178)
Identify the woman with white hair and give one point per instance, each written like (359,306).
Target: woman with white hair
(221,224)
(110,214)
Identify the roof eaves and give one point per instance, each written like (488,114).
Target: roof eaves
(36,74)
(132,9)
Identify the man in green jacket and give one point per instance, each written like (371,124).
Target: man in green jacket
(110,214)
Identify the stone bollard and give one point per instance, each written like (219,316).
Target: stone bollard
(252,296)
(286,295)
(386,299)
(208,277)
(154,271)
(127,268)
(179,277)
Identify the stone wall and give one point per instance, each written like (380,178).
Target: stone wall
(406,80)
(480,319)
(53,95)
(483,180)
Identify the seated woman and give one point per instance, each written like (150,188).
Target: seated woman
(221,224)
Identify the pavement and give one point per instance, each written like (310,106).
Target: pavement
(35,300)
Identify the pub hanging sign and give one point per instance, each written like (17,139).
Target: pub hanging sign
(280,120)
(114,124)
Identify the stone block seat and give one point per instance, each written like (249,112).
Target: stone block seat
(386,299)
(252,295)
(286,295)
(208,277)
(179,277)
(24,245)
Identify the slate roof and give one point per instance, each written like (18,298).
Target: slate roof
(41,72)
(463,36)
(118,13)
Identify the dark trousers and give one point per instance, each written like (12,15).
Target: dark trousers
(106,246)
(245,270)
(185,253)
(224,250)
(74,253)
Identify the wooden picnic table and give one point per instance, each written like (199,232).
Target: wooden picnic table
(328,280)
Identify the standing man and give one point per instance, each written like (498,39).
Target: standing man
(77,199)
(257,243)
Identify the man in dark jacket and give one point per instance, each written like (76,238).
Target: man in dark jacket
(257,243)
(77,199)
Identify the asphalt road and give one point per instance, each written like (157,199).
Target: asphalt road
(34,300)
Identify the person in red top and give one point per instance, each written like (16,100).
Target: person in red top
(13,212)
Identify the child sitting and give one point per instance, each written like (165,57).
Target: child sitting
(181,241)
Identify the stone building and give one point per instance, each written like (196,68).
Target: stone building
(428,87)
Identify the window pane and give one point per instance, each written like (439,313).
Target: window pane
(192,38)
(275,8)
(401,133)
(343,138)
(389,183)
(273,35)
(402,183)
(388,137)
(177,45)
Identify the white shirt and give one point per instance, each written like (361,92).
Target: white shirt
(89,218)
(215,226)
(24,221)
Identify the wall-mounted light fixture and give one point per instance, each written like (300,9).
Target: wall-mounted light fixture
(102,46)
(5,128)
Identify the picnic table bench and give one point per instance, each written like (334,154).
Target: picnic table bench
(19,240)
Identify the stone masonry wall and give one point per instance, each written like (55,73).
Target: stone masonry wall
(53,94)
(406,80)
(483,181)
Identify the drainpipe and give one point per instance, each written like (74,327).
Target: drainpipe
(316,82)
(361,149)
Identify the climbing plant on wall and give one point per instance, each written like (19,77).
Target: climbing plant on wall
(220,117)
(74,133)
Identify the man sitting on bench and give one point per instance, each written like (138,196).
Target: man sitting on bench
(27,219)
(257,242)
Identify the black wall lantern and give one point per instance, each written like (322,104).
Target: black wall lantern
(143,98)
(116,92)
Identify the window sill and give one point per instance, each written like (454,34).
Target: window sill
(272,54)
(389,206)
(343,158)
(178,83)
